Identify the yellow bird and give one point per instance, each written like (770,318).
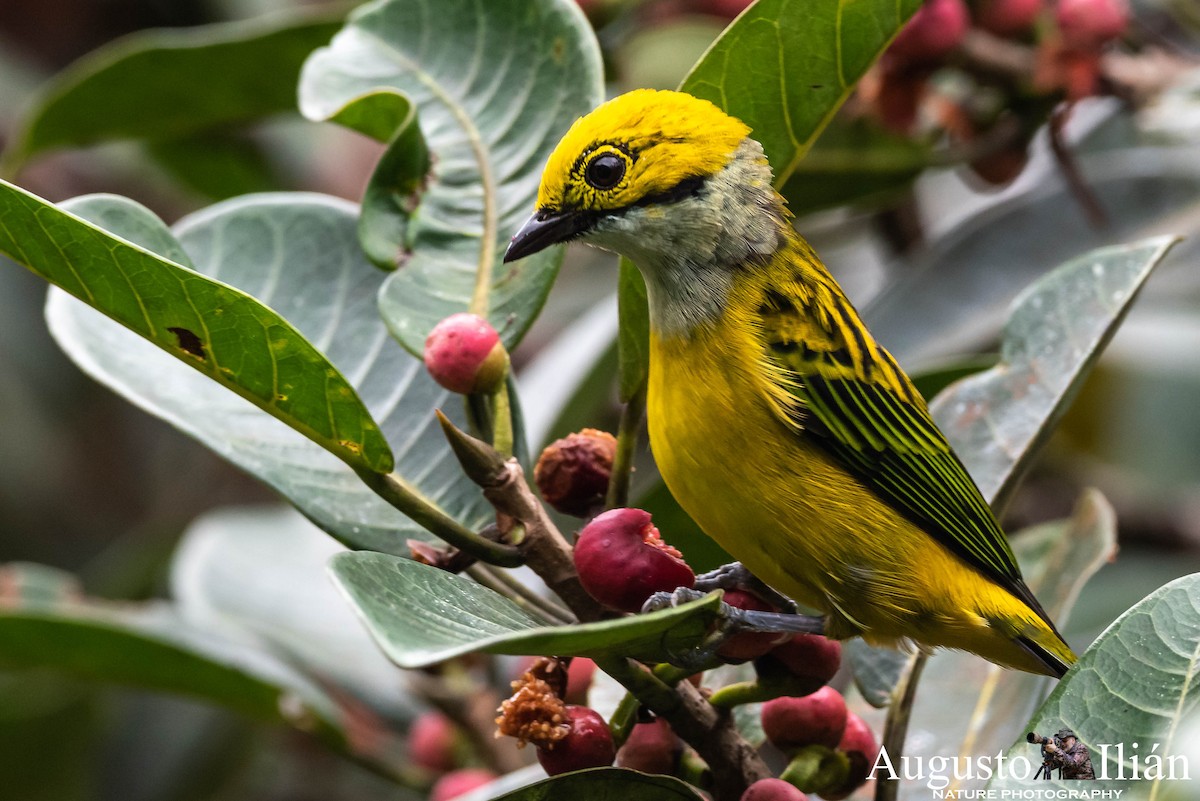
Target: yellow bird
(778,422)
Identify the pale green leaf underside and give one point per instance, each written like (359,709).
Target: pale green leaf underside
(47,626)
(298,254)
(1139,682)
(494,92)
(996,420)
(421,615)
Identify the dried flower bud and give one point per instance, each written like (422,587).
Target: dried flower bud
(464,354)
(572,473)
(534,713)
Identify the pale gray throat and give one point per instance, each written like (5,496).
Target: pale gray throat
(688,251)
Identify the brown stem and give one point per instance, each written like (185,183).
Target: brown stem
(1069,167)
(895,728)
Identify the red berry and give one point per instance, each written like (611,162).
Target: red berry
(431,742)
(588,744)
(1091,23)
(572,473)
(810,656)
(464,354)
(1008,17)
(817,719)
(772,790)
(651,748)
(858,743)
(937,28)
(460,782)
(579,680)
(747,645)
(622,560)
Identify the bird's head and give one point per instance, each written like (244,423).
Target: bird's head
(628,176)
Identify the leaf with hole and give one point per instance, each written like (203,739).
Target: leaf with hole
(490,95)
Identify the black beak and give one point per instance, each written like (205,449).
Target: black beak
(543,229)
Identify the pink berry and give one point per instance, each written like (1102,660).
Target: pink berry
(651,748)
(817,719)
(588,744)
(460,782)
(810,656)
(747,645)
(935,30)
(772,790)
(464,354)
(858,743)
(1091,23)
(622,560)
(1008,17)
(431,742)
(579,680)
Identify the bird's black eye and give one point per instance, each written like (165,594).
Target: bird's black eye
(605,171)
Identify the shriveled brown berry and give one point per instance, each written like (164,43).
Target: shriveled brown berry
(772,790)
(817,719)
(651,748)
(587,744)
(622,560)
(573,472)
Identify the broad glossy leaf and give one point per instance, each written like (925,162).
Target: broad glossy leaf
(493,90)
(606,784)
(421,615)
(149,646)
(998,419)
(1135,684)
(219,331)
(955,297)
(297,253)
(262,571)
(166,84)
(968,706)
(218,164)
(785,66)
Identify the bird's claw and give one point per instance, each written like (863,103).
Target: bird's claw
(735,576)
(669,600)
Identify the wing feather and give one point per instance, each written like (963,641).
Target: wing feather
(856,402)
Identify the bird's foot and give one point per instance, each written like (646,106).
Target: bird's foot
(732,621)
(735,576)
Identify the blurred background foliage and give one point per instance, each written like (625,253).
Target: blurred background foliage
(933,251)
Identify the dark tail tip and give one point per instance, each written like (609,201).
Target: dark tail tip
(1053,664)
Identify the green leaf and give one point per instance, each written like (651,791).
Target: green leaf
(421,615)
(785,66)
(854,161)
(149,646)
(262,571)
(1136,683)
(168,84)
(967,706)
(494,91)
(998,420)
(218,165)
(219,331)
(606,784)
(298,253)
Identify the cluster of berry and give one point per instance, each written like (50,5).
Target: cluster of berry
(622,560)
